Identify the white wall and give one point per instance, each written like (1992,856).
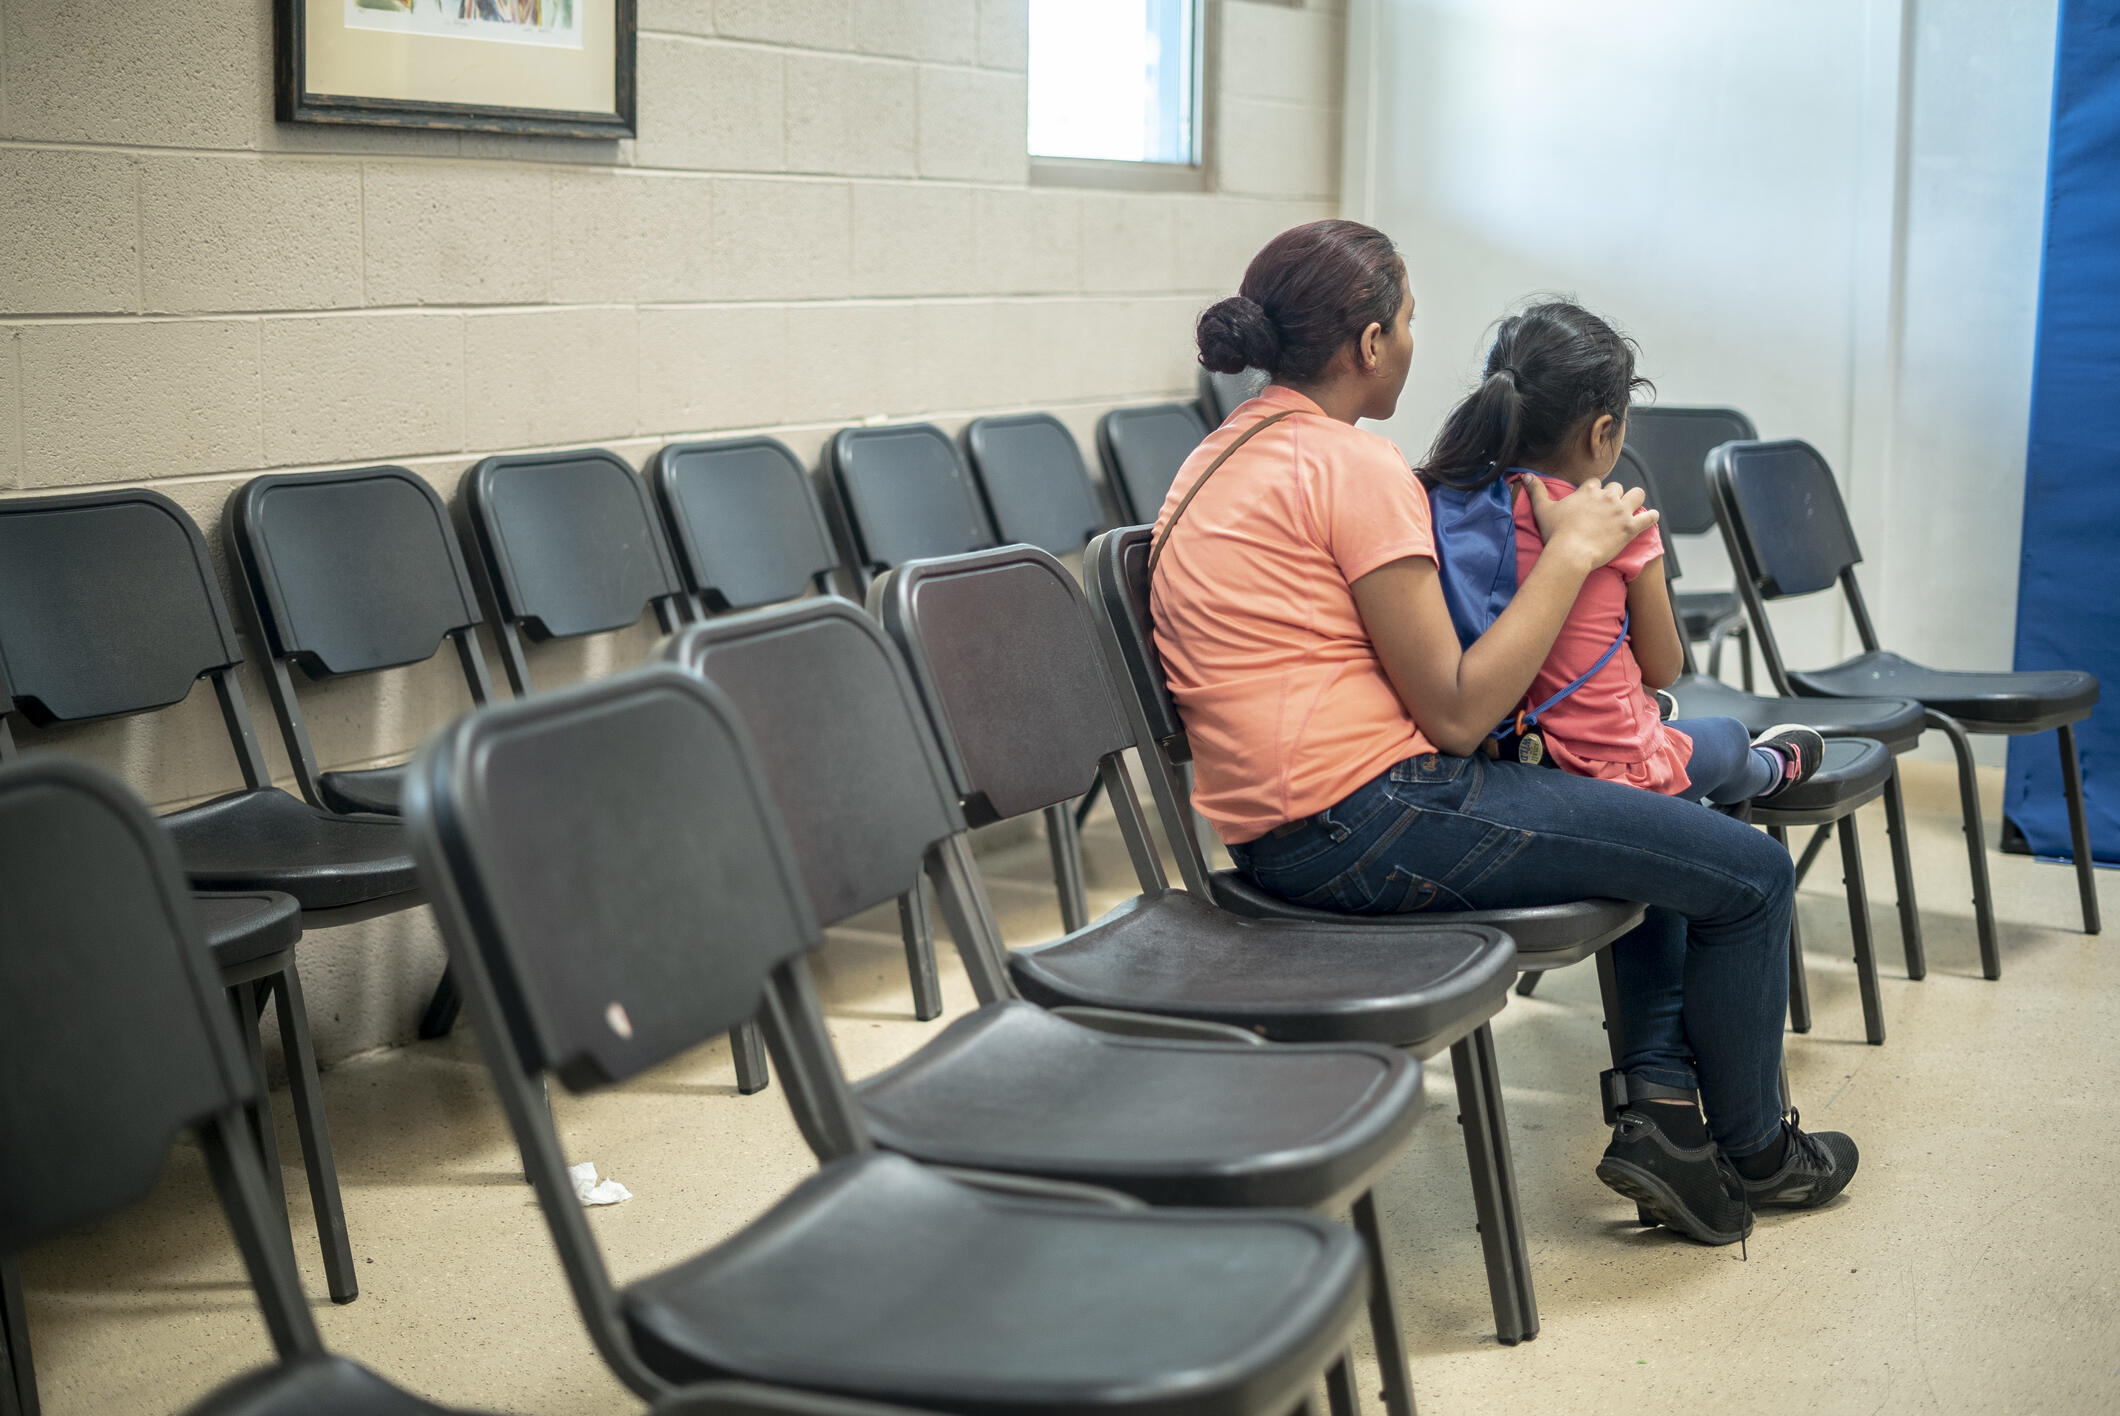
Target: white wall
(1825,212)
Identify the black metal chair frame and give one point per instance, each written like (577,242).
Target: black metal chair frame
(762,947)
(1756,587)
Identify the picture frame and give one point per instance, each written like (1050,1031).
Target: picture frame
(559,68)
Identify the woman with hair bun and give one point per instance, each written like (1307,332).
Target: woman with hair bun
(1336,727)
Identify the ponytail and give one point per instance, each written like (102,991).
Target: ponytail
(1550,367)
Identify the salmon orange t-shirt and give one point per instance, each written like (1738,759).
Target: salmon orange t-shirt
(1285,702)
(1609,728)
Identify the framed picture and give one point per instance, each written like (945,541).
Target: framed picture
(562,67)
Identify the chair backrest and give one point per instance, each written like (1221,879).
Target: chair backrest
(743,521)
(1788,528)
(1035,484)
(1001,646)
(1142,450)
(842,741)
(350,571)
(1222,394)
(108,605)
(113,1033)
(569,540)
(905,493)
(1675,443)
(1116,569)
(607,857)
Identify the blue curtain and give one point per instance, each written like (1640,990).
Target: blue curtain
(2068,584)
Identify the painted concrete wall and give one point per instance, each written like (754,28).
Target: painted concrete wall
(1825,213)
(826,216)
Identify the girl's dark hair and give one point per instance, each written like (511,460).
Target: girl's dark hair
(1309,291)
(1551,367)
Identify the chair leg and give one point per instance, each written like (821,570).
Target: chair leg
(1088,803)
(1392,1357)
(247,999)
(749,1050)
(20,1394)
(340,1279)
(1527,983)
(2079,831)
(1895,830)
(1975,842)
(919,938)
(1715,648)
(1811,848)
(442,1008)
(1859,925)
(1799,982)
(1494,1199)
(1743,635)
(1339,1388)
(1064,843)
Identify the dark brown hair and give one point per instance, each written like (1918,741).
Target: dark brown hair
(1551,367)
(1308,292)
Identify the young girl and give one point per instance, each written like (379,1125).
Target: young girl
(1553,405)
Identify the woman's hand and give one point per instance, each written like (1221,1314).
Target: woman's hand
(1592,524)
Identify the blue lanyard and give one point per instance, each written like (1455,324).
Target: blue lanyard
(1523,722)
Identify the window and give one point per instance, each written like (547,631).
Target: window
(1115,82)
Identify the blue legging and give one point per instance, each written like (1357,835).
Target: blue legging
(1726,768)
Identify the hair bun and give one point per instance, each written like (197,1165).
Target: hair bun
(1237,334)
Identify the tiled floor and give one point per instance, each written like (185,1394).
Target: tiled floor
(1971,1268)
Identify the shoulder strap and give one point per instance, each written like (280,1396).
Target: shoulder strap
(1155,552)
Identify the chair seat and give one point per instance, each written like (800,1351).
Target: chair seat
(264,839)
(241,927)
(1290,980)
(371,789)
(1852,773)
(323,1385)
(1996,702)
(1895,722)
(880,1278)
(1702,611)
(1012,1087)
(1547,936)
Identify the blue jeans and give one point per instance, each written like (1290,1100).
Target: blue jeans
(1725,767)
(1703,981)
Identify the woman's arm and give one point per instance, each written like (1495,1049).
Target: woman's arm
(1652,630)
(1457,696)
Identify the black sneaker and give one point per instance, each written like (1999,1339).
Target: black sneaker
(1801,748)
(1693,1190)
(1816,1169)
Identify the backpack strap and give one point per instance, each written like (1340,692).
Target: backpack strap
(1155,552)
(1528,719)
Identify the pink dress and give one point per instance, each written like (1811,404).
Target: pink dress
(1609,727)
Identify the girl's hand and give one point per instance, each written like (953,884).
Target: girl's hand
(1595,522)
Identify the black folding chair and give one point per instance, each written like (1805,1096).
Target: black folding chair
(1211,1118)
(1894,723)
(745,525)
(905,493)
(1222,394)
(113,1038)
(343,573)
(590,957)
(1674,443)
(1142,450)
(109,606)
(565,544)
(1034,484)
(1009,666)
(743,522)
(112,1043)
(1789,535)
(347,573)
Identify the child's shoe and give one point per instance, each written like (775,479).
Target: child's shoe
(1691,1188)
(1801,749)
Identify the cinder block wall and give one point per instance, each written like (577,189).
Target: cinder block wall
(827,216)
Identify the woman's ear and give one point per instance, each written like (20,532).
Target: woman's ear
(1370,348)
